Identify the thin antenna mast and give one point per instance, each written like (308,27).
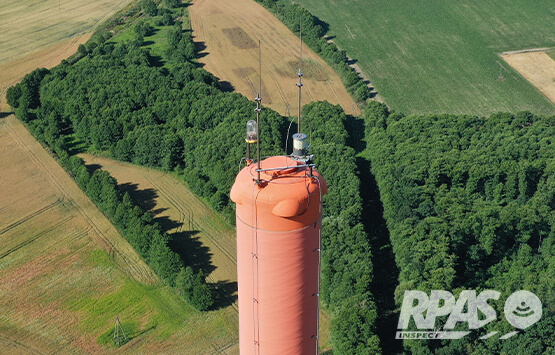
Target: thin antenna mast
(300,73)
(258,108)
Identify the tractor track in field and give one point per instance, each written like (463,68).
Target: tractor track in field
(170,196)
(181,208)
(241,69)
(18,345)
(30,216)
(222,349)
(270,72)
(35,237)
(231,56)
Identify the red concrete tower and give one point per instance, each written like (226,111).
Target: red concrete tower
(278,256)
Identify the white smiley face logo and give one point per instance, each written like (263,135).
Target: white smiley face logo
(522,309)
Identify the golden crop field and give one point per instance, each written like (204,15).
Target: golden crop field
(29,26)
(48,231)
(231,29)
(537,67)
(66,273)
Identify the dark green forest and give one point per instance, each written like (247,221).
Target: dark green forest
(468,202)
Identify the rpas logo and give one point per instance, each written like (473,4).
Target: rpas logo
(522,309)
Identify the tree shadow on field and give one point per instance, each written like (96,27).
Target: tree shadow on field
(226,86)
(200,47)
(165,222)
(183,239)
(225,293)
(323,24)
(145,198)
(5,114)
(91,168)
(191,250)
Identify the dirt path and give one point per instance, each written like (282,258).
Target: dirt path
(530,50)
(537,67)
(230,31)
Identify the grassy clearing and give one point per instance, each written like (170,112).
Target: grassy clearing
(441,56)
(156,42)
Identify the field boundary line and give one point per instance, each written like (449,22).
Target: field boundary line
(530,50)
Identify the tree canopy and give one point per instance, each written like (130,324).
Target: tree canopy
(469,202)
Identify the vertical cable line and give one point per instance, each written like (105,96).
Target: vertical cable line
(254,222)
(254,267)
(319,263)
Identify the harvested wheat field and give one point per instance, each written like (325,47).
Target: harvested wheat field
(49,231)
(66,273)
(231,29)
(181,213)
(29,26)
(537,67)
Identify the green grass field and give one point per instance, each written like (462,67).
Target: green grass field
(437,56)
(155,311)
